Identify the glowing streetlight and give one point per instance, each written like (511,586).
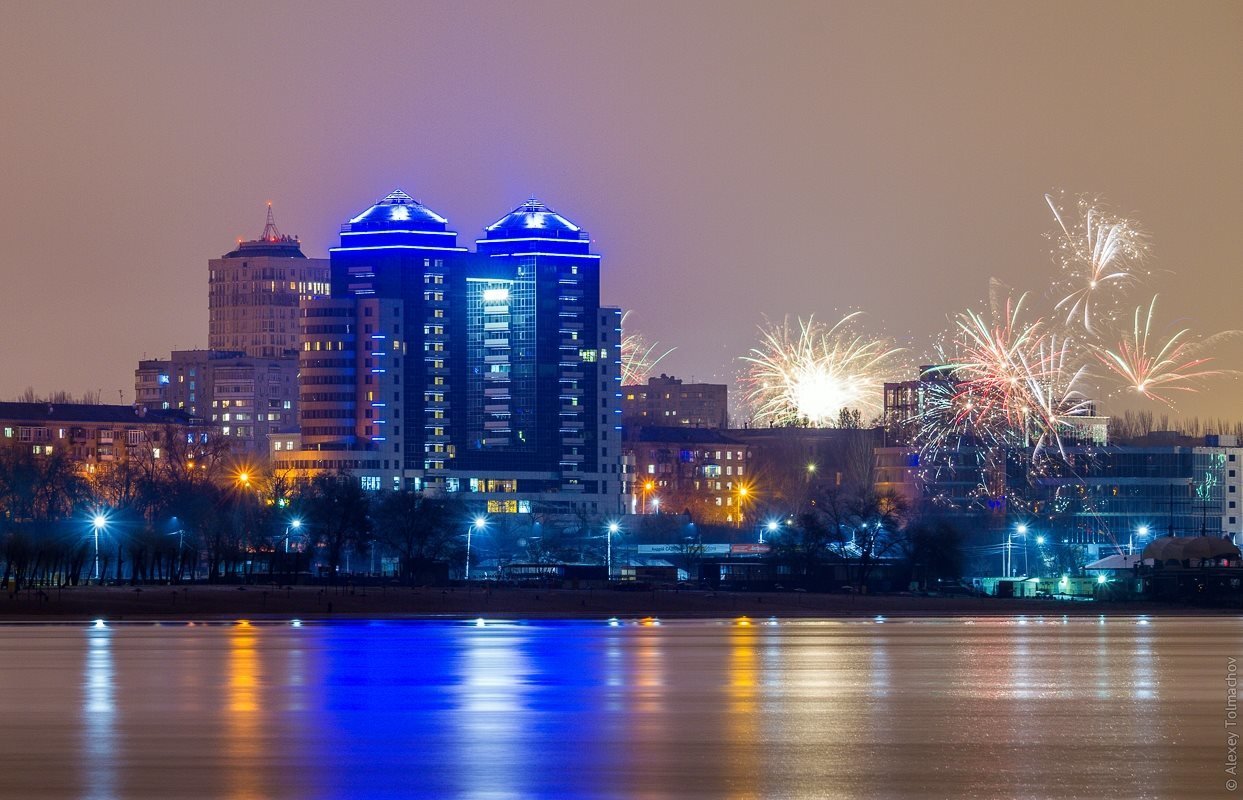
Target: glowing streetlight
(479,522)
(771,526)
(294,524)
(743,493)
(98,522)
(1141,532)
(1007,556)
(613,528)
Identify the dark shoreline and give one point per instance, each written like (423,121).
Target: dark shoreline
(155,603)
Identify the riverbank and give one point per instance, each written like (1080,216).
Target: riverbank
(312,602)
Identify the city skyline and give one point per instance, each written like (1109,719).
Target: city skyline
(732,170)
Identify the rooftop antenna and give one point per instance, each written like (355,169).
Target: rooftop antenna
(270,232)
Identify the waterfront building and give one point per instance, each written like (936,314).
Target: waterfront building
(492,375)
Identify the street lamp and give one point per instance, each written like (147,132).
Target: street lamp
(479,522)
(613,528)
(1021,530)
(648,486)
(1142,533)
(294,524)
(98,522)
(771,526)
(743,492)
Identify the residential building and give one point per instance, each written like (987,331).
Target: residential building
(668,402)
(95,437)
(254,293)
(702,471)
(246,397)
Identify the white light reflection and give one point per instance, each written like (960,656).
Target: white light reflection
(492,716)
(99,714)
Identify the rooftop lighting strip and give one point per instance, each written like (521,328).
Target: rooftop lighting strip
(397,230)
(399,247)
(505,255)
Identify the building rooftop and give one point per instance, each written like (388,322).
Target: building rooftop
(397,211)
(683,435)
(38,413)
(271,243)
(534,219)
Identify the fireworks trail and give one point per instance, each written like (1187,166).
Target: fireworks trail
(1153,367)
(813,372)
(638,357)
(1100,255)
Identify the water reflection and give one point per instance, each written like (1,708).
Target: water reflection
(742,722)
(490,714)
(99,715)
(1056,708)
(241,736)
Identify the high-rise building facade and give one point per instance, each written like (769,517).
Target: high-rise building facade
(254,292)
(492,374)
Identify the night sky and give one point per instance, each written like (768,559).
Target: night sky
(731,160)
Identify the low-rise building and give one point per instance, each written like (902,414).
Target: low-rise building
(699,470)
(94,436)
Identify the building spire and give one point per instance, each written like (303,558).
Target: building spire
(270,232)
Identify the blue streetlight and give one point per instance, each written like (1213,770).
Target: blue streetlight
(613,527)
(771,526)
(98,522)
(1021,530)
(294,524)
(479,522)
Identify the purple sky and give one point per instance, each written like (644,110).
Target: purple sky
(730,160)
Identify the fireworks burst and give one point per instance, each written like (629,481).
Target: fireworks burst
(1012,383)
(1100,255)
(638,357)
(815,371)
(1152,367)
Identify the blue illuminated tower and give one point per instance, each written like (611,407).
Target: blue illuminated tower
(534,382)
(493,375)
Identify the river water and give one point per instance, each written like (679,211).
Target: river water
(947,708)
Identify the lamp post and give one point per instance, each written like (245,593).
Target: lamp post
(180,533)
(743,492)
(1142,533)
(1021,530)
(1023,533)
(770,526)
(648,486)
(611,529)
(98,522)
(480,523)
(294,524)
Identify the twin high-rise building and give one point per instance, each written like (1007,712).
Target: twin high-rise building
(493,374)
